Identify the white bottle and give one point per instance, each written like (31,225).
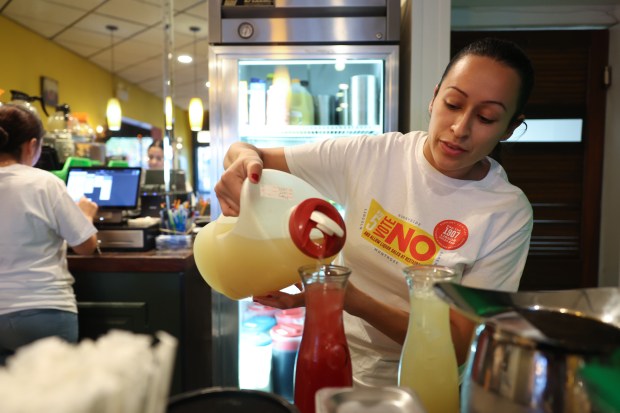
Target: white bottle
(278,104)
(243,102)
(257,102)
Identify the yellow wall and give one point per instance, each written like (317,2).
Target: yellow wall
(25,57)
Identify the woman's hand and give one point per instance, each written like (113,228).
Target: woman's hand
(282,300)
(241,161)
(390,320)
(88,207)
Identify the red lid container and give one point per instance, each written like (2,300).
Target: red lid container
(294,316)
(256,309)
(286,337)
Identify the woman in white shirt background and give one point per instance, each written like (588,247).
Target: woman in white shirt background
(39,219)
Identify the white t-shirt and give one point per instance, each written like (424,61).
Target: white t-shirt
(38,216)
(400,211)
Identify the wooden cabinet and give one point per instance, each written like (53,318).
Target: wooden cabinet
(145,292)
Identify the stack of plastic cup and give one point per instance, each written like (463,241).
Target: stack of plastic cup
(286,338)
(255,353)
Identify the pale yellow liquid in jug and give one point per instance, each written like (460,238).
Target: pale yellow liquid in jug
(428,364)
(241,267)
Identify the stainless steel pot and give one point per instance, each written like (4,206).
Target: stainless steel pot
(527,357)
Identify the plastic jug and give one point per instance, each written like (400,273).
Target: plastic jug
(284,223)
(302,105)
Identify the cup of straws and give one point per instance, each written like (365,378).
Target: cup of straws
(176,228)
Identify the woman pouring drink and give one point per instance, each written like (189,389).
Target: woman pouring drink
(440,184)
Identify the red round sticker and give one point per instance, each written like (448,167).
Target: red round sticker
(450,234)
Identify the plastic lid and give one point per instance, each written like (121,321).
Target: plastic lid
(291,316)
(258,324)
(286,336)
(256,309)
(317,214)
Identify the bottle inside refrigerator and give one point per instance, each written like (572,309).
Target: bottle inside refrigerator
(310,99)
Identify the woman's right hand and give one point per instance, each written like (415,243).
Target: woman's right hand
(241,161)
(88,207)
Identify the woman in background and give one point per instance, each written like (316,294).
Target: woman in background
(39,219)
(155,152)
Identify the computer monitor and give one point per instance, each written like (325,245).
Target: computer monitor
(112,189)
(154,180)
(49,159)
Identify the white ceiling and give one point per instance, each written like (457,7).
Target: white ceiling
(80,26)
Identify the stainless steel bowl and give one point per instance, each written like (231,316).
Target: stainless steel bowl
(530,346)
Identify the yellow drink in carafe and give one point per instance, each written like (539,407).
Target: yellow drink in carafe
(428,363)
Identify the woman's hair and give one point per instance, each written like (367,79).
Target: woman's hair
(156,144)
(17,126)
(507,53)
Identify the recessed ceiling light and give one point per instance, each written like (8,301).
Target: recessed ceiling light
(184,58)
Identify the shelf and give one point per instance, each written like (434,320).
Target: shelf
(256,132)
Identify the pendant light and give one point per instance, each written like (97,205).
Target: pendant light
(196,109)
(168,113)
(113,110)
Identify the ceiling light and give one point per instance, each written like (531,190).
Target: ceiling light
(168,113)
(113,109)
(184,58)
(196,109)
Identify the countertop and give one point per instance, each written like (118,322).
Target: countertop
(143,261)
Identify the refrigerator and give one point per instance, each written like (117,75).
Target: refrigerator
(286,72)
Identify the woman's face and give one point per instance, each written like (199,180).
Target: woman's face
(156,157)
(470,113)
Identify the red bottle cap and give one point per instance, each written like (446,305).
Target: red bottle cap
(316,213)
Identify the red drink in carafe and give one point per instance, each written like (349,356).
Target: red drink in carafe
(323,359)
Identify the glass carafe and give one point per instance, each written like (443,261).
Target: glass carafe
(428,362)
(323,359)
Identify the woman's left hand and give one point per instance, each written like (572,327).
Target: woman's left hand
(282,300)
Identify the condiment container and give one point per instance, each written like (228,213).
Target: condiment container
(255,353)
(285,345)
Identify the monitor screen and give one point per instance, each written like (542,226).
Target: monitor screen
(110,188)
(154,180)
(154,177)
